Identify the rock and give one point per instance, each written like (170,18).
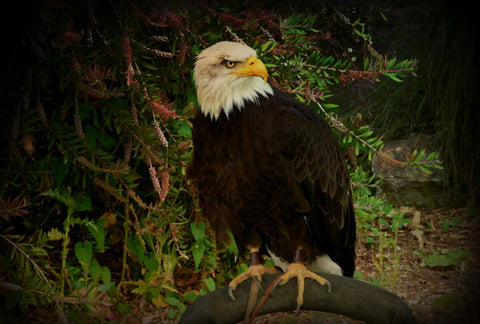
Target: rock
(402,184)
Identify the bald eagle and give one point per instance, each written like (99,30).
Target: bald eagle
(269,171)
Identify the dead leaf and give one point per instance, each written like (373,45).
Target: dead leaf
(419,235)
(416,221)
(416,215)
(159,301)
(110,219)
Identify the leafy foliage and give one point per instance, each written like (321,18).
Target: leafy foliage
(101,135)
(451,257)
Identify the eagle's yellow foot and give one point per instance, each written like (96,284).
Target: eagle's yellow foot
(300,271)
(254,271)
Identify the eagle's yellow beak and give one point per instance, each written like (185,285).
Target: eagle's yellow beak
(252,67)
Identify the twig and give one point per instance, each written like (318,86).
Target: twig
(10,286)
(234,36)
(63,299)
(163,54)
(339,125)
(35,265)
(264,298)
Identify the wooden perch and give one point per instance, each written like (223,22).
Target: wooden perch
(350,297)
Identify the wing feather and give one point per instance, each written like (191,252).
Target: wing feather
(310,147)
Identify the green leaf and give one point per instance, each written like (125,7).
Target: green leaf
(393,76)
(370,240)
(182,308)
(106,286)
(62,196)
(432,156)
(358,275)
(124,308)
(452,257)
(330,106)
(98,232)
(198,231)
(421,155)
(424,169)
(149,66)
(384,222)
(135,245)
(84,252)
(83,203)
(429,224)
(105,274)
(60,172)
(173,301)
(445,225)
(105,139)
(198,252)
(437,166)
(90,136)
(387,208)
(190,296)
(172,313)
(151,262)
(95,271)
(231,245)
(383,16)
(155,292)
(391,63)
(210,283)
(184,130)
(366,63)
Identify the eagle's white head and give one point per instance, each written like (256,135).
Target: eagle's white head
(227,75)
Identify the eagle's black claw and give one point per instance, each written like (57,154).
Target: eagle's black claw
(274,289)
(298,309)
(258,284)
(230,293)
(329,285)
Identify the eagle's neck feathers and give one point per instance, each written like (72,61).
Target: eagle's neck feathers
(215,97)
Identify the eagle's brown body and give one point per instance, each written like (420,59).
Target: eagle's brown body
(272,173)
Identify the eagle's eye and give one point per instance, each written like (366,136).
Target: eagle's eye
(228,64)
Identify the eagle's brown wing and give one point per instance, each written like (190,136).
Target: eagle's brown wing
(320,172)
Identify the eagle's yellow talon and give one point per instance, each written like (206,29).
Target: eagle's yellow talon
(300,271)
(255,271)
